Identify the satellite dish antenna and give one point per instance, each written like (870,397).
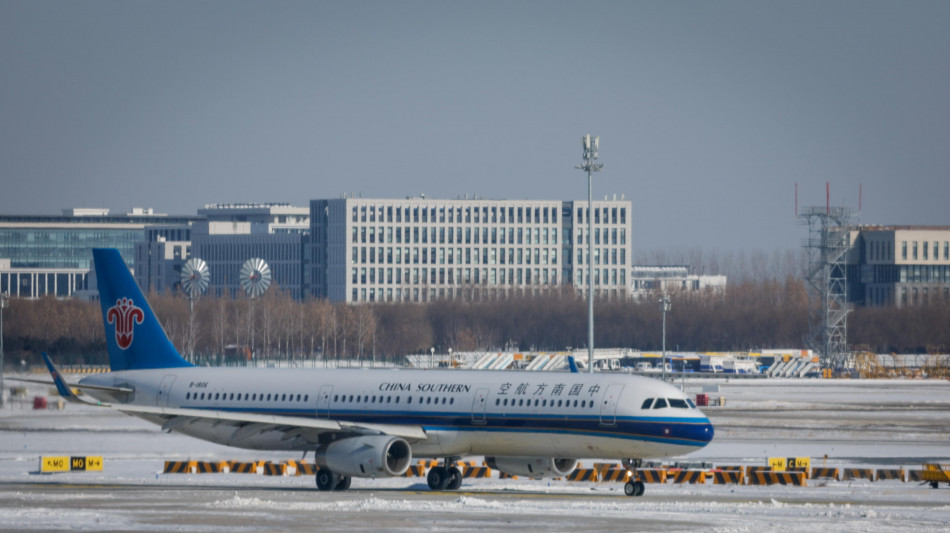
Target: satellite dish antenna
(255,277)
(195,277)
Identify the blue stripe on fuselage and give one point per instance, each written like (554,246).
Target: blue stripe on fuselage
(689,431)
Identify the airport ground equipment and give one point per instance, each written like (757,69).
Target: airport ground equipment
(936,473)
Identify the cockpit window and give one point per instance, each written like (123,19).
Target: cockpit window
(660,403)
(678,404)
(647,403)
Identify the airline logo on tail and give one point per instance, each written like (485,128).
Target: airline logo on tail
(124,314)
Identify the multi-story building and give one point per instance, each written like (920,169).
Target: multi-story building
(52,254)
(159,258)
(899,265)
(663,279)
(230,234)
(421,249)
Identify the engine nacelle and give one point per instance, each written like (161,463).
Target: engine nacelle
(369,456)
(533,467)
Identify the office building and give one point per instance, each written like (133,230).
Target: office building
(421,249)
(899,265)
(52,254)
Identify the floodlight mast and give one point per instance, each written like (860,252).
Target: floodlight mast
(591,146)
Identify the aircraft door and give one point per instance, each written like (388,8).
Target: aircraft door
(478,406)
(608,407)
(161,399)
(323,401)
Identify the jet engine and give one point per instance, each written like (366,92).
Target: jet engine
(367,456)
(533,467)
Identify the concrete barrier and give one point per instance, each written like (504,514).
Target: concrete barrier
(824,473)
(849,474)
(777,478)
(690,476)
(652,475)
(583,474)
(728,477)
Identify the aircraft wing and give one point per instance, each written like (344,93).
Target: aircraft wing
(66,389)
(247,424)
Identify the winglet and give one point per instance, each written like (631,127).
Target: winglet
(61,386)
(572,364)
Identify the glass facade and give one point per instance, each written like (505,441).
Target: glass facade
(64,248)
(52,254)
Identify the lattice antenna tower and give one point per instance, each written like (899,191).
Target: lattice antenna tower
(827,245)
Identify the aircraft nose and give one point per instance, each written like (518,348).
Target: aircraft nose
(708,432)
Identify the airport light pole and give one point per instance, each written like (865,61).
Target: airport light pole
(590,164)
(665,306)
(4,302)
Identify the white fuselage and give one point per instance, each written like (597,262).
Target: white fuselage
(550,414)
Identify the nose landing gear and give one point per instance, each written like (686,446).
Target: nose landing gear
(633,487)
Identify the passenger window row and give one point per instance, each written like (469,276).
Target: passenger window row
(663,403)
(542,403)
(426,400)
(246,396)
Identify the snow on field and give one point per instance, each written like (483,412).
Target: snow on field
(875,424)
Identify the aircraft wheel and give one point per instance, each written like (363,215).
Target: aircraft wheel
(455,479)
(634,488)
(438,478)
(343,484)
(326,480)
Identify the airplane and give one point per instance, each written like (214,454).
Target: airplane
(371,422)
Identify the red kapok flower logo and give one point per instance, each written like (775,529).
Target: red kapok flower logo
(124,314)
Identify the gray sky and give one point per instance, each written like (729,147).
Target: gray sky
(708,112)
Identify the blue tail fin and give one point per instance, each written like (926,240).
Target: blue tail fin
(135,338)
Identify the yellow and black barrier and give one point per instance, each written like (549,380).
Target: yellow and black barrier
(882,474)
(652,475)
(180,467)
(470,472)
(415,471)
(583,474)
(506,475)
(727,477)
(752,470)
(207,467)
(777,478)
(849,474)
(824,473)
(615,474)
(49,465)
(915,475)
(602,468)
(270,469)
(242,467)
(307,469)
(802,469)
(690,476)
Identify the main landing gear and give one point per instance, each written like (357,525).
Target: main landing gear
(446,476)
(327,480)
(633,487)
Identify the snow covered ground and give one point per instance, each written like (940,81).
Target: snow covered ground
(874,424)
